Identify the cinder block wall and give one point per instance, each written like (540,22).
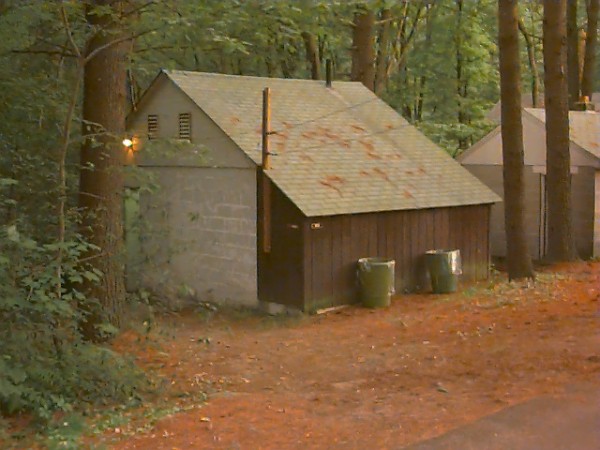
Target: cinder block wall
(201,234)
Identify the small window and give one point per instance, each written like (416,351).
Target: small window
(185,126)
(152,126)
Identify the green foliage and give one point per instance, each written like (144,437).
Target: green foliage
(44,364)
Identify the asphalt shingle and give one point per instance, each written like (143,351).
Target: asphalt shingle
(584,128)
(338,150)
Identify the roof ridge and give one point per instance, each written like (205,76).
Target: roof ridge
(257,77)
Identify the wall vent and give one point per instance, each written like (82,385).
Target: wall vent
(152,126)
(185,126)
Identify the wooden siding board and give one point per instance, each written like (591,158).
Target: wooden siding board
(372,225)
(336,259)
(317,263)
(426,243)
(381,235)
(348,261)
(402,250)
(328,264)
(391,235)
(441,227)
(307,264)
(415,244)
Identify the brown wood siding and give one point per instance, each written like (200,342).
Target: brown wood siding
(280,272)
(314,265)
(332,245)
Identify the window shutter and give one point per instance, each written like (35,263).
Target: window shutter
(152,126)
(185,126)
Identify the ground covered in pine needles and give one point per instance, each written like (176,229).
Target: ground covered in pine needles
(359,378)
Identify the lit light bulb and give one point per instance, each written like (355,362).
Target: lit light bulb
(127,142)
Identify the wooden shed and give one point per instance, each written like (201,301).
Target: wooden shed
(484,160)
(349,178)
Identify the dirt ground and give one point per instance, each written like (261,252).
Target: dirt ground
(359,378)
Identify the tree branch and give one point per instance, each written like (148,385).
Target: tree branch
(44,52)
(65,21)
(97,50)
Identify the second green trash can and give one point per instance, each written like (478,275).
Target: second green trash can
(376,281)
(444,267)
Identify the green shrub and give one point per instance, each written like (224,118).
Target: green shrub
(45,365)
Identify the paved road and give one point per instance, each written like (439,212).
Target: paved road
(568,422)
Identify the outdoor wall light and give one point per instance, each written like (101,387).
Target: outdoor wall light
(127,142)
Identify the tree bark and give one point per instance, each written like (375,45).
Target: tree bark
(423,79)
(558,179)
(101,179)
(589,62)
(572,53)
(363,54)
(383,43)
(531,58)
(517,251)
(312,54)
(461,84)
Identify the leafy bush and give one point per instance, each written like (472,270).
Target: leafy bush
(45,365)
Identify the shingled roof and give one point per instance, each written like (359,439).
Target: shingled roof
(527,102)
(584,128)
(339,149)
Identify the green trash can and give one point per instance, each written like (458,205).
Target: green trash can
(376,281)
(444,267)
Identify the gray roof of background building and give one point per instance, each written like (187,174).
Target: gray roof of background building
(527,102)
(339,150)
(584,128)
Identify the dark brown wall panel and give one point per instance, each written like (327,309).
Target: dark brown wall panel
(314,266)
(281,276)
(402,235)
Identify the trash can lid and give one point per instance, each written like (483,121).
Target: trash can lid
(375,261)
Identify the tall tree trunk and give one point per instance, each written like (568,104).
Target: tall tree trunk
(101,179)
(422,82)
(531,58)
(423,79)
(517,251)
(383,43)
(558,161)
(287,61)
(572,53)
(312,54)
(461,84)
(363,54)
(587,81)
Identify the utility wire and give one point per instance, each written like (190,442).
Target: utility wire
(292,126)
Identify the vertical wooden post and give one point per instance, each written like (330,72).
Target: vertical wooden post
(266,165)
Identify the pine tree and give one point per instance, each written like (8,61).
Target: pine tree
(517,251)
(558,160)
